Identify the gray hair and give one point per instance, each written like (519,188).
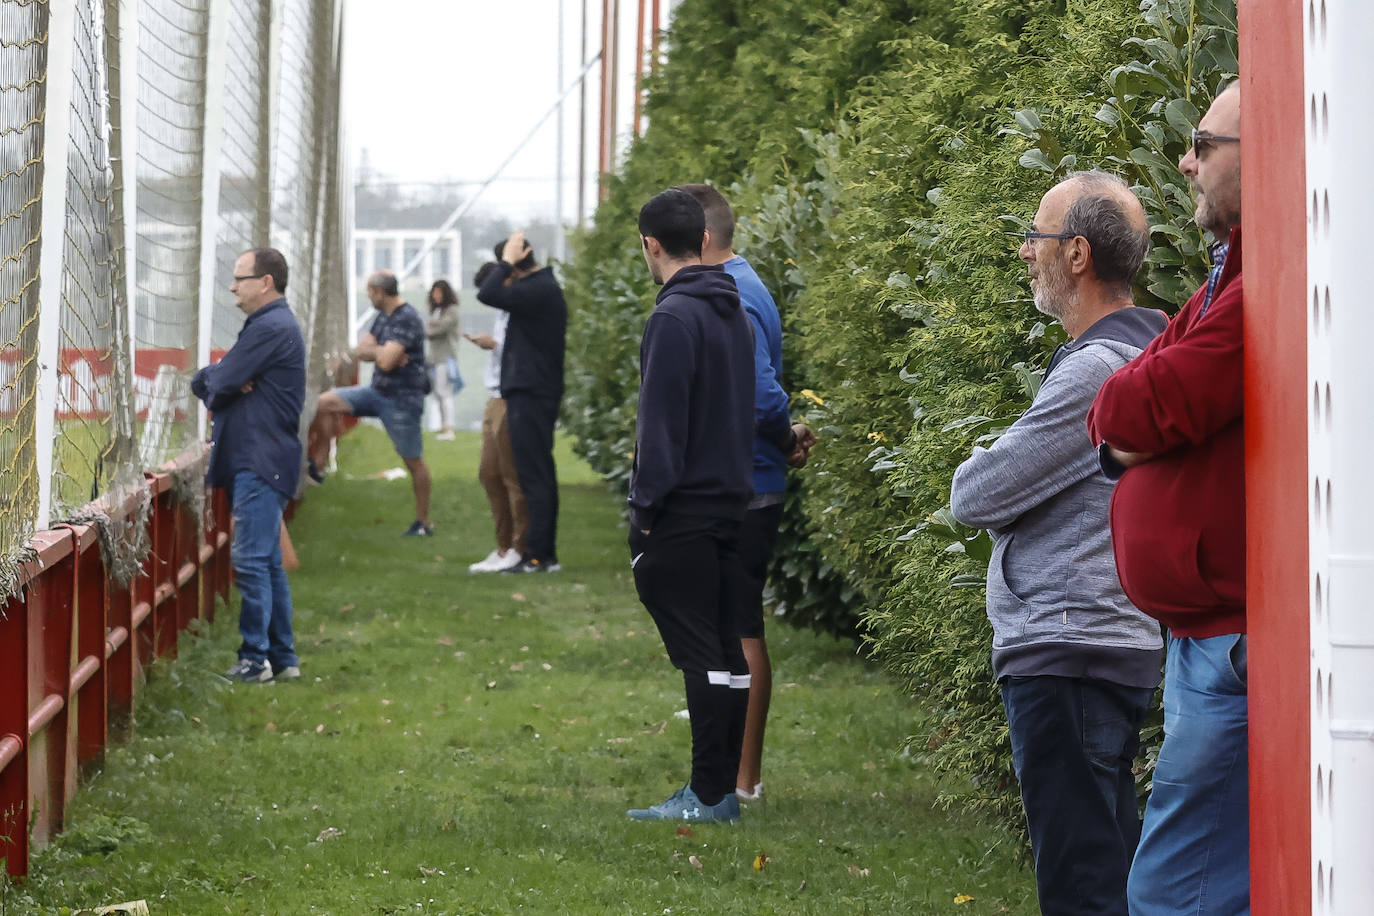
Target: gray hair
(1118,246)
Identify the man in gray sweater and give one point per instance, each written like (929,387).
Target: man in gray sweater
(1077,663)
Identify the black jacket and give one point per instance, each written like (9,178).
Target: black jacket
(694,440)
(532,355)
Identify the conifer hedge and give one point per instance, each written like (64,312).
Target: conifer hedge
(880,155)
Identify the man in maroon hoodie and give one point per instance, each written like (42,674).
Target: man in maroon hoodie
(1169,424)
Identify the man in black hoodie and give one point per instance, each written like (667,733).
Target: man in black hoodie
(689,489)
(531,386)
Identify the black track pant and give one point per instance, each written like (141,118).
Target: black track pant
(530,421)
(687,572)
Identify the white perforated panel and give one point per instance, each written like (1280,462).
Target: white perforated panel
(1340,193)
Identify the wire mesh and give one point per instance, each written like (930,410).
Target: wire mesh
(171,150)
(122,401)
(243,190)
(85,435)
(23,58)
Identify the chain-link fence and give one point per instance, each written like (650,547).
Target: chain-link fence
(142,148)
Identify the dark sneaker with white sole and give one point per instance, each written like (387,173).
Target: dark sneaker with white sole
(534,566)
(248,671)
(419,529)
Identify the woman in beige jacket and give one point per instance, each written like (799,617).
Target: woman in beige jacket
(442,333)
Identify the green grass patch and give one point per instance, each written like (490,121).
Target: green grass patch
(469,744)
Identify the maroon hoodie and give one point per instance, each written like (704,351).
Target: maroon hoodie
(1178,520)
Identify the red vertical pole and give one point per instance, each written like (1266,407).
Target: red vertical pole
(656,27)
(603,158)
(14,736)
(92,608)
(639,65)
(1273,163)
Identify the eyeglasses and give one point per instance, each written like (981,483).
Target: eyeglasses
(1030,234)
(1203,141)
(238,279)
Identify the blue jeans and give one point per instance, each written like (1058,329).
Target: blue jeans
(265,608)
(1073,745)
(400,416)
(1194,855)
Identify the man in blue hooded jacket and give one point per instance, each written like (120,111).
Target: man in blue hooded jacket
(778,443)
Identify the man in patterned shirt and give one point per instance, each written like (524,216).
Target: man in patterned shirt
(396,344)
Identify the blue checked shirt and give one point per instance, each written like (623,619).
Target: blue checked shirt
(1218,253)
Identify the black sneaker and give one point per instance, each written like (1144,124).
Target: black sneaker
(312,470)
(248,671)
(419,529)
(532,565)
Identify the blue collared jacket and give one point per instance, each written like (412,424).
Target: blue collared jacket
(258,431)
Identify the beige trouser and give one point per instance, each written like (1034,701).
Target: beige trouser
(496,471)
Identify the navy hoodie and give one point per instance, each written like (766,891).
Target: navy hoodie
(694,440)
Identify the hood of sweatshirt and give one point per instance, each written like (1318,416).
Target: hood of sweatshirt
(704,281)
(1125,331)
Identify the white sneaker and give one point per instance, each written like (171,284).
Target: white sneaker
(487,563)
(445,436)
(746,797)
(508,560)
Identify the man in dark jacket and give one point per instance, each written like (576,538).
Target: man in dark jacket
(1076,662)
(256,393)
(689,489)
(531,386)
(1170,424)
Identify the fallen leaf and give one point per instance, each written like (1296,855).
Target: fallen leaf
(271,726)
(345,608)
(386,702)
(962,898)
(449,825)
(246,878)
(662,727)
(429,872)
(491,685)
(196,719)
(619,740)
(546,666)
(517,666)
(329,833)
(319,728)
(801,887)
(517,596)
(695,862)
(870,766)
(858,872)
(685,831)
(438,559)
(760,862)
(445,640)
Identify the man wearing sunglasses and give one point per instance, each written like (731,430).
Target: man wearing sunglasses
(256,393)
(1076,662)
(1170,425)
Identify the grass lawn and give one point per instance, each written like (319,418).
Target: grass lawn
(469,744)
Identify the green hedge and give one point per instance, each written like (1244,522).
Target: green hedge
(879,153)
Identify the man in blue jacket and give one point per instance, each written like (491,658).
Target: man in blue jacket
(778,442)
(256,393)
(689,489)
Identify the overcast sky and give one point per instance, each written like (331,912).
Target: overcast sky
(446,89)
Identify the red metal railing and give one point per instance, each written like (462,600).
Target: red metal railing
(74,646)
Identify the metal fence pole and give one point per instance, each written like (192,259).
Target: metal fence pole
(216,71)
(56,148)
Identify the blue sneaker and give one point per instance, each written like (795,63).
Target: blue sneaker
(418,529)
(684,805)
(249,672)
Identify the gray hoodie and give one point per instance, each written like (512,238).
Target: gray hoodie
(1053,596)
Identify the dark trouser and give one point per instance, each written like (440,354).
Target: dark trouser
(686,572)
(530,420)
(1073,744)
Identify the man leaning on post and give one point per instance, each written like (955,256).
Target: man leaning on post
(1170,425)
(1076,661)
(256,393)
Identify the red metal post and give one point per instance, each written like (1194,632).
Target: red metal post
(14,736)
(639,65)
(89,679)
(1274,166)
(50,607)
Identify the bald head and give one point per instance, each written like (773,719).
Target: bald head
(384,282)
(1101,207)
